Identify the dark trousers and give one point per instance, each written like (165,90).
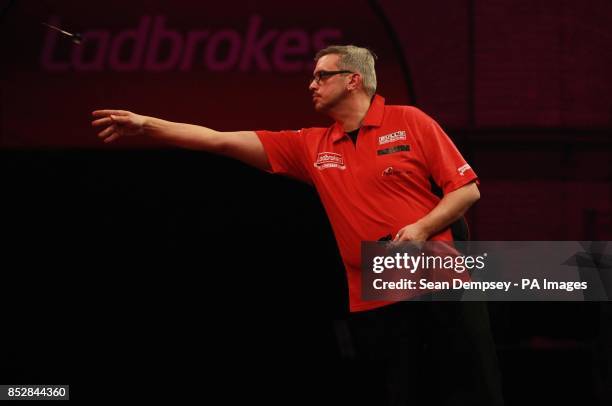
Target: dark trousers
(417,353)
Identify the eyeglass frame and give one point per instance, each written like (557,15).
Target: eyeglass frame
(325,74)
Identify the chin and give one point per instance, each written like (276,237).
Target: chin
(319,107)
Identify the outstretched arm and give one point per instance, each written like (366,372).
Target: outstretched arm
(242,145)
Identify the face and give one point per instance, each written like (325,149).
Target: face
(330,90)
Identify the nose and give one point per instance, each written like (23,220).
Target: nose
(313,85)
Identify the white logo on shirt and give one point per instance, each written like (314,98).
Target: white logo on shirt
(387,138)
(327,160)
(388,171)
(463,168)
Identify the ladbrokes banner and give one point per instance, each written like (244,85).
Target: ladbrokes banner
(245,65)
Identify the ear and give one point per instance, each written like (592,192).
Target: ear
(355,82)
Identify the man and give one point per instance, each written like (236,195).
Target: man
(372,170)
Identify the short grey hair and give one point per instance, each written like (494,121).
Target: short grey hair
(355,59)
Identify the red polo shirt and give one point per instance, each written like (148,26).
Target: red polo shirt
(376,187)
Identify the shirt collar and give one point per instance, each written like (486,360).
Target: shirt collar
(373,117)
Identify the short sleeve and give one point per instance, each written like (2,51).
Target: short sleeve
(447,166)
(286,152)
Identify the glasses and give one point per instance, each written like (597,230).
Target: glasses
(324,74)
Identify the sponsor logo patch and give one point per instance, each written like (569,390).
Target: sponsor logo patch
(387,138)
(463,168)
(397,148)
(327,160)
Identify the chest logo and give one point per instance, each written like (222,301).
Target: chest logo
(327,160)
(388,171)
(387,138)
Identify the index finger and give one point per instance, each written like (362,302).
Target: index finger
(106,113)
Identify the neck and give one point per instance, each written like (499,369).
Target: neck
(351,112)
